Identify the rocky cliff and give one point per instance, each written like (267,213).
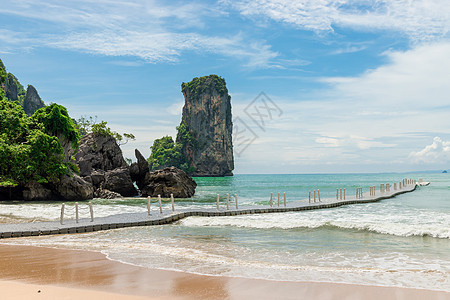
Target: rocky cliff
(14,91)
(32,101)
(207,144)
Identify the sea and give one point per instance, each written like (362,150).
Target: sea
(403,241)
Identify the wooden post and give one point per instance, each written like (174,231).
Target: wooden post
(309,196)
(91,210)
(271,199)
(62,214)
(314,196)
(76,212)
(159,202)
(217,201)
(278,202)
(228,201)
(356,193)
(235,197)
(337,194)
(318,194)
(284,198)
(149,201)
(344,193)
(340,193)
(173,202)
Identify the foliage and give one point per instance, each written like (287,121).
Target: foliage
(86,125)
(167,153)
(199,85)
(2,78)
(56,120)
(27,151)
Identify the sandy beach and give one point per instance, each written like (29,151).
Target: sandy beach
(28,272)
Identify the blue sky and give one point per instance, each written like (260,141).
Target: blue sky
(359,86)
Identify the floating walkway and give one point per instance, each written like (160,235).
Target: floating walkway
(161,217)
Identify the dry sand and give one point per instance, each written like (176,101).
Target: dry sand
(42,273)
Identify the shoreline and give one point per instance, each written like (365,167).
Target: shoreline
(87,275)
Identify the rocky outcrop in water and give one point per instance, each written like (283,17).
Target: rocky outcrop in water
(207,116)
(169,181)
(101,163)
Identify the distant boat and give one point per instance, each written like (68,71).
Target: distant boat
(444,171)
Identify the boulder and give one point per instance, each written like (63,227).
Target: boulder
(98,152)
(106,194)
(72,187)
(36,191)
(119,181)
(168,181)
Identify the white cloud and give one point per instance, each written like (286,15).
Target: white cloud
(151,30)
(437,152)
(419,20)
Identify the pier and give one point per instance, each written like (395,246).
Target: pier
(158,216)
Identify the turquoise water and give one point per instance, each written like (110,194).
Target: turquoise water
(404,241)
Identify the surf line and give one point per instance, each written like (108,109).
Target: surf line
(162,217)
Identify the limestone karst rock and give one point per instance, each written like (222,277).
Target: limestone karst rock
(32,101)
(100,158)
(207,117)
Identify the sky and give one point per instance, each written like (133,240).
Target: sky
(317,86)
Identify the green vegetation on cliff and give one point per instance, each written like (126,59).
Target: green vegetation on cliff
(167,153)
(89,124)
(27,151)
(56,120)
(200,85)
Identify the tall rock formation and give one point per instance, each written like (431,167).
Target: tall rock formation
(101,162)
(206,127)
(32,101)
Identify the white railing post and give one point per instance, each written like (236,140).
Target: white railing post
(173,202)
(278,202)
(271,199)
(91,211)
(217,201)
(61,220)
(344,193)
(337,194)
(314,196)
(318,194)
(235,197)
(159,202)
(76,212)
(228,201)
(284,197)
(309,196)
(149,203)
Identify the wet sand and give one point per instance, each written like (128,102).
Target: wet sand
(70,274)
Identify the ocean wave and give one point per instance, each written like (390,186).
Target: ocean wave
(402,226)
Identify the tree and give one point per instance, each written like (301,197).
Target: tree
(28,149)
(56,121)
(90,124)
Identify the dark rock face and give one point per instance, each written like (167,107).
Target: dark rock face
(11,91)
(169,181)
(101,160)
(73,187)
(106,194)
(207,115)
(98,152)
(36,191)
(139,169)
(119,181)
(32,101)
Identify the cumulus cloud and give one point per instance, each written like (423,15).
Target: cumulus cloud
(437,152)
(419,20)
